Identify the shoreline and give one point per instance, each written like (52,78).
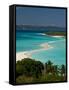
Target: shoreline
(56,36)
(27,54)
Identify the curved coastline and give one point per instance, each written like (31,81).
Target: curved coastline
(43,46)
(27,54)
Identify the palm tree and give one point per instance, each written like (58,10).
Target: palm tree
(49,66)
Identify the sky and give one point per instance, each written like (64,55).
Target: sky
(41,16)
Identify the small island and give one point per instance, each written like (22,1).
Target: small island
(56,33)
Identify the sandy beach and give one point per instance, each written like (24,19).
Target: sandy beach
(27,54)
(57,36)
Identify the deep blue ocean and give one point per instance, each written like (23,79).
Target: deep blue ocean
(26,41)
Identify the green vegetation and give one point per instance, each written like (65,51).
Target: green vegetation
(56,33)
(31,71)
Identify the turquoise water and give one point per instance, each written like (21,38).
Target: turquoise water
(26,41)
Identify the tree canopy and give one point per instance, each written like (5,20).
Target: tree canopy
(29,67)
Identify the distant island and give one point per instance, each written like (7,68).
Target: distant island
(56,33)
(37,28)
(49,30)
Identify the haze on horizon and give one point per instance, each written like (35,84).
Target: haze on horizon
(41,16)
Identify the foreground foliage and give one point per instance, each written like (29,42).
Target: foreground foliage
(31,71)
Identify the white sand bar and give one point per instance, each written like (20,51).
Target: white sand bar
(27,54)
(57,36)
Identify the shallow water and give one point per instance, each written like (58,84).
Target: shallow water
(26,41)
